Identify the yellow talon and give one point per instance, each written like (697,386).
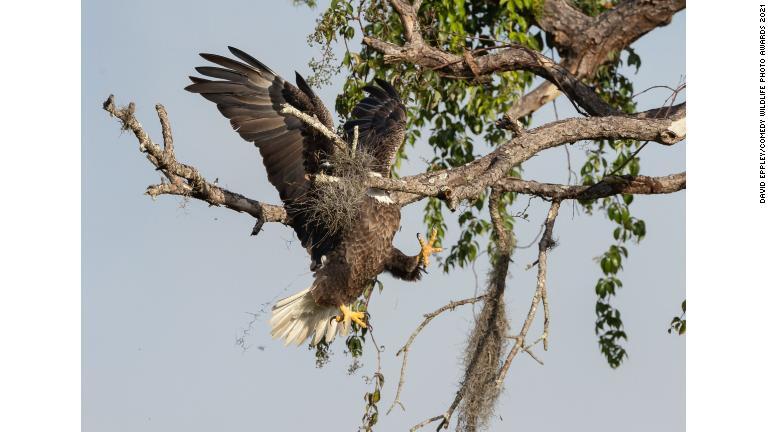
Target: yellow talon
(347,315)
(427,247)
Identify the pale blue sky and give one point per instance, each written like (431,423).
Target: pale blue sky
(168,287)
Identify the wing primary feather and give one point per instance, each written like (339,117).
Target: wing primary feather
(377,92)
(227,62)
(303,86)
(388,88)
(221,73)
(250,60)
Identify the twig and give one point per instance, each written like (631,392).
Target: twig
(428,421)
(530,353)
(406,348)
(355,137)
(505,242)
(533,242)
(315,124)
(527,349)
(651,88)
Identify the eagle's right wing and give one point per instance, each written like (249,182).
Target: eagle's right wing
(251,96)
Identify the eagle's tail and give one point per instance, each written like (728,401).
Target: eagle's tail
(298,317)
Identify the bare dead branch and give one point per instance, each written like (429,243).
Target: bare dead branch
(165,124)
(406,348)
(539,295)
(314,123)
(639,185)
(527,349)
(428,421)
(355,138)
(186,180)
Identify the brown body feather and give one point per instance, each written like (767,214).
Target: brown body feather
(363,253)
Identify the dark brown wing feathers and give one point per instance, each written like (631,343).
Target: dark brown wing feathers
(380,118)
(251,96)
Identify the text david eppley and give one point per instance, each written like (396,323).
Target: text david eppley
(762,105)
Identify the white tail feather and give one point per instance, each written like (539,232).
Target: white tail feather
(298,317)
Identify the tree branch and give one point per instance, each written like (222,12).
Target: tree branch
(539,296)
(468,181)
(487,340)
(584,43)
(288,109)
(406,348)
(515,57)
(186,180)
(640,185)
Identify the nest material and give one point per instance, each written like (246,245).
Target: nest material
(482,356)
(335,204)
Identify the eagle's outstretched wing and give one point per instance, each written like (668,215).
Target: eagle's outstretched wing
(380,119)
(251,96)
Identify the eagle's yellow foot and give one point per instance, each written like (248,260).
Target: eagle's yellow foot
(348,315)
(427,247)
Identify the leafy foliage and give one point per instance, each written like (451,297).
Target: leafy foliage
(309,3)
(605,159)
(371,414)
(678,323)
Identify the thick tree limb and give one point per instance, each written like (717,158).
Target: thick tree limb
(584,43)
(186,180)
(562,21)
(588,41)
(469,181)
(453,185)
(409,16)
(515,57)
(641,185)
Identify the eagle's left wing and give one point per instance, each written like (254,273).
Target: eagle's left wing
(380,119)
(252,96)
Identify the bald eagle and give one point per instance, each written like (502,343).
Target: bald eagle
(344,262)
